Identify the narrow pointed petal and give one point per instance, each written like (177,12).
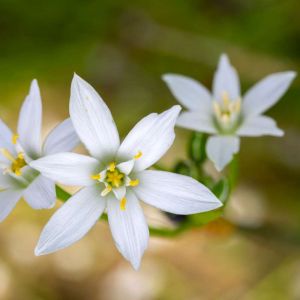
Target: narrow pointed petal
(68,168)
(40,193)
(196,121)
(126,167)
(72,221)
(6,138)
(190,93)
(220,150)
(258,126)
(8,200)
(266,93)
(226,80)
(120,192)
(92,120)
(62,138)
(30,122)
(129,229)
(175,193)
(151,138)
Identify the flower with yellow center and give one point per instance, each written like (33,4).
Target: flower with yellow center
(114,177)
(17,178)
(225,114)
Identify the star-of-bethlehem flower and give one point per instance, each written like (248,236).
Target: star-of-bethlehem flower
(224,113)
(17,178)
(114,177)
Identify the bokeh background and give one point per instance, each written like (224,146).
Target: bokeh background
(122,48)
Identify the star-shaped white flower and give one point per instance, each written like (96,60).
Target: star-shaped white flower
(115,177)
(17,178)
(224,113)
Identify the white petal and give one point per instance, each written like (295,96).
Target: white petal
(30,122)
(92,120)
(68,168)
(40,193)
(190,93)
(266,92)
(220,150)
(6,138)
(175,193)
(196,121)
(226,80)
(120,192)
(72,221)
(8,200)
(129,229)
(258,126)
(62,138)
(7,181)
(152,136)
(126,167)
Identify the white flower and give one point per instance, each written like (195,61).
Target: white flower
(224,113)
(17,178)
(115,177)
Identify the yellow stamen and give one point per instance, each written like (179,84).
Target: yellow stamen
(225,98)
(106,191)
(7,154)
(138,155)
(112,166)
(115,178)
(217,108)
(134,182)
(14,139)
(123,204)
(96,177)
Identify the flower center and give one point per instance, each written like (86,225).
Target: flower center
(16,163)
(116,178)
(227,112)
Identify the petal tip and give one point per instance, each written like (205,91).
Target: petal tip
(136,265)
(38,251)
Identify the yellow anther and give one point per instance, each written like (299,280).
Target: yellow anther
(217,108)
(123,203)
(134,182)
(106,191)
(7,154)
(112,166)
(138,155)
(225,98)
(96,177)
(14,139)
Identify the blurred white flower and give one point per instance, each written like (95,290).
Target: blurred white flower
(224,114)
(17,178)
(115,177)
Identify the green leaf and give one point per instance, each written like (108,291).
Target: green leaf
(182,168)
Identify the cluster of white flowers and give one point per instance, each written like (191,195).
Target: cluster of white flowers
(114,177)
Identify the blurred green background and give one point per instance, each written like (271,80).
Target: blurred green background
(122,48)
